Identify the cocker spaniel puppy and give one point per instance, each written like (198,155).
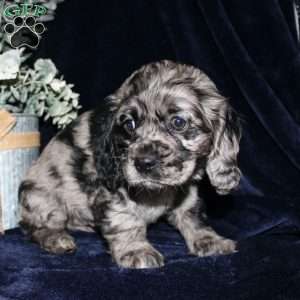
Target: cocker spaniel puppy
(135,158)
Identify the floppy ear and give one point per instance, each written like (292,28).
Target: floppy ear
(221,166)
(106,162)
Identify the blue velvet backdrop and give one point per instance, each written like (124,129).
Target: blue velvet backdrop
(249,48)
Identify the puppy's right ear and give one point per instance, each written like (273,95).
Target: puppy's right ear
(222,168)
(101,126)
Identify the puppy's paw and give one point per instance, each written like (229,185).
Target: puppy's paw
(212,244)
(142,258)
(59,243)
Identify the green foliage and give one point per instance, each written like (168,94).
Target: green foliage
(36,90)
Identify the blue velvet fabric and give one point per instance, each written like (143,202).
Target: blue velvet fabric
(249,48)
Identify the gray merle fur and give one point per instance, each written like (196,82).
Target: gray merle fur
(125,164)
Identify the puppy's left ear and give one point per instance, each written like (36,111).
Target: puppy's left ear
(106,163)
(221,167)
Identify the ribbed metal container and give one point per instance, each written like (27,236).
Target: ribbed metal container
(13,166)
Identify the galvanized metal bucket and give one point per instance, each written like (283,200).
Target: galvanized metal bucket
(14,163)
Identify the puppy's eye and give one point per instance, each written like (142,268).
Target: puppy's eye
(129,125)
(178,123)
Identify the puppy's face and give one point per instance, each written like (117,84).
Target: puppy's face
(162,135)
(170,125)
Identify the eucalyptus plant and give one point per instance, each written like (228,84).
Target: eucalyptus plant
(38,90)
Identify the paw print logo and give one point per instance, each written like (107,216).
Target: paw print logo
(24,31)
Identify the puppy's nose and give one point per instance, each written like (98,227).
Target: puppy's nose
(146,163)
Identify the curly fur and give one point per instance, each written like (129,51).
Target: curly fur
(93,174)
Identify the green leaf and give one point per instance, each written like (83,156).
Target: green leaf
(57,85)
(10,64)
(45,69)
(41,109)
(38,91)
(24,95)
(4,97)
(15,92)
(75,101)
(11,100)
(73,115)
(30,110)
(47,116)
(59,108)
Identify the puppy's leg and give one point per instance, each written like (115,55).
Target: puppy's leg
(125,233)
(44,218)
(131,249)
(201,240)
(56,241)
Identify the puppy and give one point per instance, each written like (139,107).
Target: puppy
(135,158)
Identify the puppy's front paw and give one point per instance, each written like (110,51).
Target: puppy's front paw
(142,258)
(59,243)
(212,244)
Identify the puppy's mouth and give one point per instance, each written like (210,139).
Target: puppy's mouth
(162,177)
(149,184)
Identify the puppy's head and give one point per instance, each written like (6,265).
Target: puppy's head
(170,125)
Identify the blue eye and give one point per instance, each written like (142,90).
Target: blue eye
(129,125)
(178,123)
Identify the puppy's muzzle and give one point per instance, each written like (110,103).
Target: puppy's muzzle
(149,156)
(146,163)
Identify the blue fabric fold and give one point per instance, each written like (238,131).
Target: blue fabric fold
(250,50)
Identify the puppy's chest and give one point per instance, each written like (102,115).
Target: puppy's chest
(152,207)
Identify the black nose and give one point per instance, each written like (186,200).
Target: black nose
(146,163)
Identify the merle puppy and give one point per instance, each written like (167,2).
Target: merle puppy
(136,158)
